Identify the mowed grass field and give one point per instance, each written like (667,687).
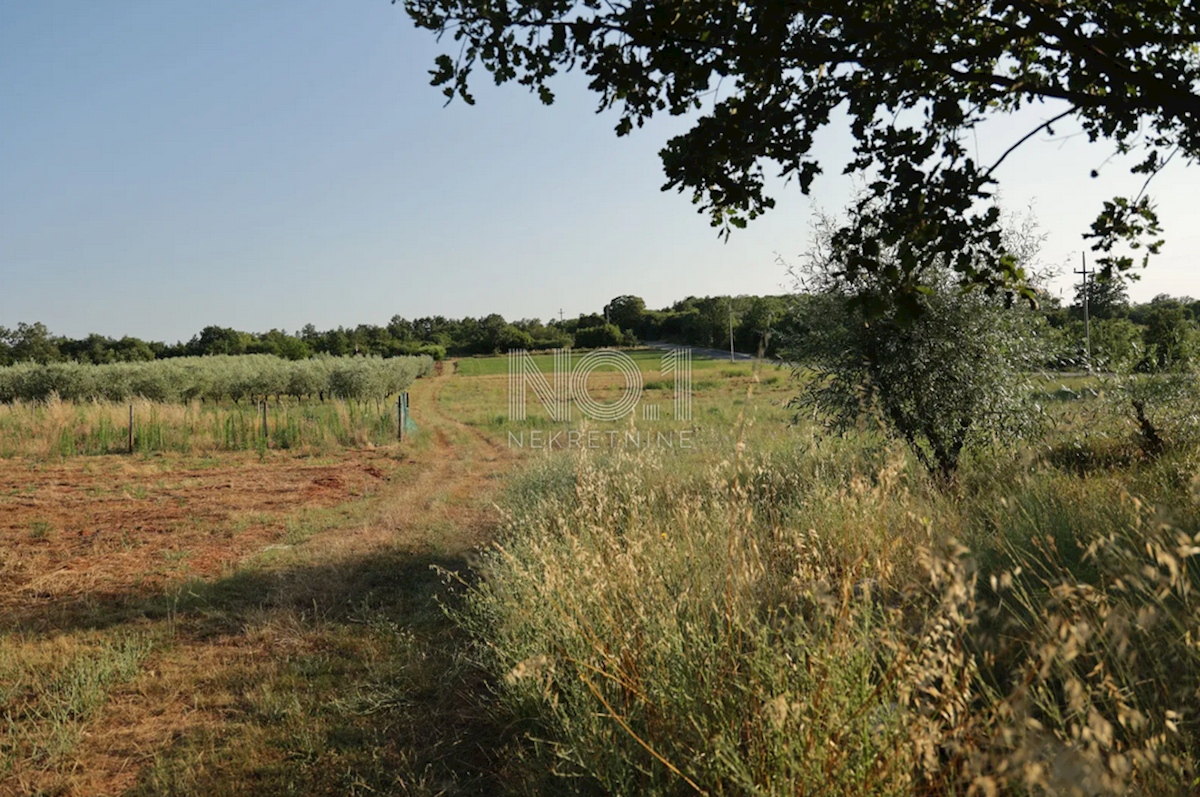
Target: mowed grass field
(208,621)
(243,622)
(719,394)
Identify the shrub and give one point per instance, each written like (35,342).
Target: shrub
(432,350)
(599,337)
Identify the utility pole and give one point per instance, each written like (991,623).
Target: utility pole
(731,357)
(560,315)
(1087,322)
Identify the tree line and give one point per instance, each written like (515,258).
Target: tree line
(1160,335)
(219,377)
(624,321)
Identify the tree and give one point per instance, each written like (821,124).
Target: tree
(589,320)
(915,77)
(705,322)
(336,342)
(1141,314)
(400,328)
(509,338)
(33,342)
(627,312)
(93,349)
(218,340)
(1106,298)
(600,336)
(755,333)
(940,380)
(1165,338)
(280,344)
(1116,344)
(130,350)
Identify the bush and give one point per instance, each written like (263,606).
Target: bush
(599,337)
(1166,340)
(433,351)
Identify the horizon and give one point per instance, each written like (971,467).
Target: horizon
(299,331)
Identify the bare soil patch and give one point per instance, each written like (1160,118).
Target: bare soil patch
(99,526)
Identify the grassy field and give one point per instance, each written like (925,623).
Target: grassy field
(231,622)
(648,360)
(771,609)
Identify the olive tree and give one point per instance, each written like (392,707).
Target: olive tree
(941,379)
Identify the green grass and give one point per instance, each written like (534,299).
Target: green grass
(50,690)
(718,395)
(647,360)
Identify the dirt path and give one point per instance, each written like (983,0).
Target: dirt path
(321,665)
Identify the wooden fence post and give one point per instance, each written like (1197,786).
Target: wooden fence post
(131,427)
(400,417)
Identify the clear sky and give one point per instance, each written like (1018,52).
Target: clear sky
(165,166)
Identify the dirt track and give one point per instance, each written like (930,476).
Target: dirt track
(111,529)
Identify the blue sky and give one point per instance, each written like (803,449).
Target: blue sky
(165,166)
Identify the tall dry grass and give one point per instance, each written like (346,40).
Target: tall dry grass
(786,623)
(55,428)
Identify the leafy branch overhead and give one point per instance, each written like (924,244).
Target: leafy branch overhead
(914,76)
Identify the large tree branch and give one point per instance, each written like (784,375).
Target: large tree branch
(1026,137)
(1177,101)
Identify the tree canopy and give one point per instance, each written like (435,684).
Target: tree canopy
(915,78)
(1106,298)
(947,379)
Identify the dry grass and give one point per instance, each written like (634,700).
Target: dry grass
(79,534)
(318,661)
(826,621)
(57,429)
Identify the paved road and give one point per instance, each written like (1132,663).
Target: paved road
(715,354)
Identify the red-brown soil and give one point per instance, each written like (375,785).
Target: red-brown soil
(113,525)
